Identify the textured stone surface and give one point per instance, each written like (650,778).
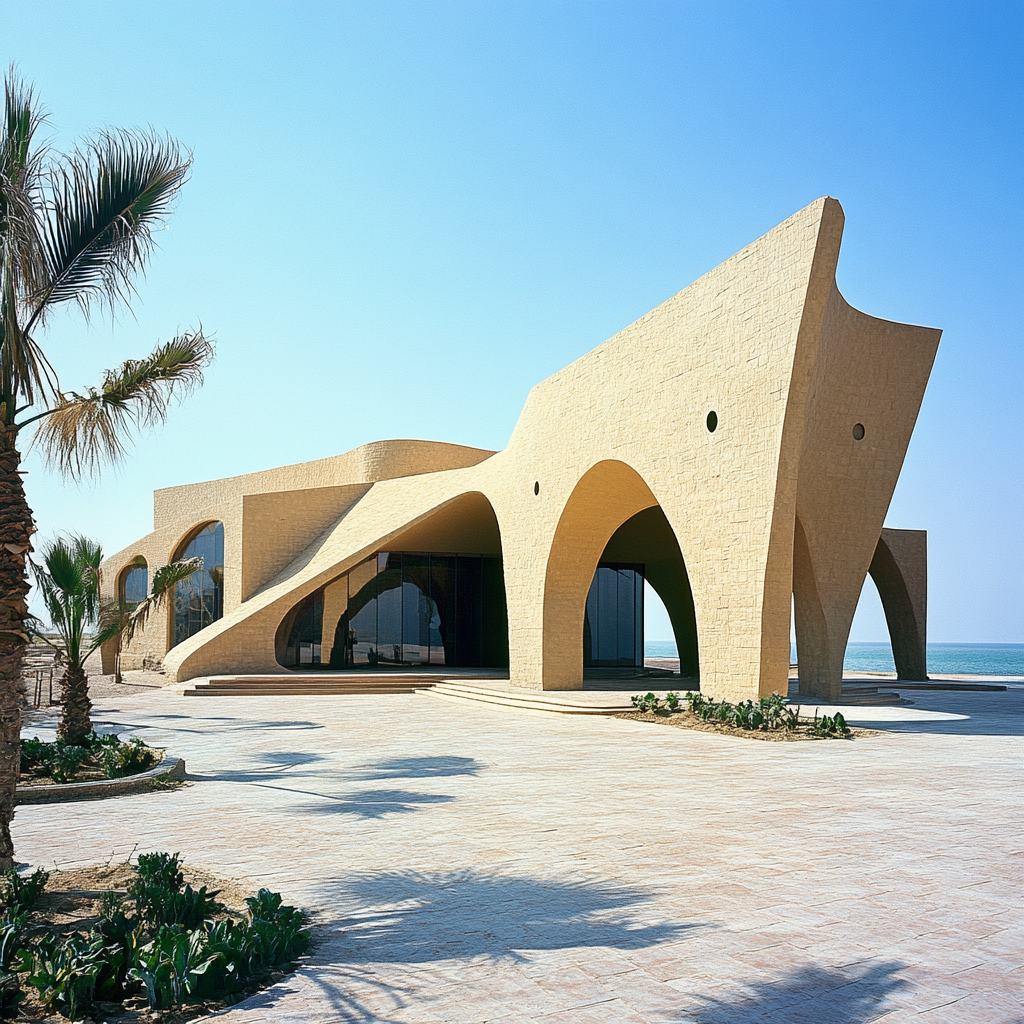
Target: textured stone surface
(468,864)
(765,342)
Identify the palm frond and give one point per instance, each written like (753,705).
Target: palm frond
(62,567)
(105,201)
(85,431)
(24,370)
(165,579)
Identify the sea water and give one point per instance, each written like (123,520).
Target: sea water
(943,659)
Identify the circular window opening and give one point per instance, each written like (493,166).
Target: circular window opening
(858,431)
(536,487)
(712,421)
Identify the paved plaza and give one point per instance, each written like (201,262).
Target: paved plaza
(469,864)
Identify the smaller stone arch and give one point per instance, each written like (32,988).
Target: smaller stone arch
(900,571)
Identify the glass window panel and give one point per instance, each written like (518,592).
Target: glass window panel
(443,622)
(468,604)
(591,619)
(135,585)
(607,622)
(495,614)
(335,623)
(199,600)
(626,579)
(362,612)
(638,617)
(389,608)
(417,609)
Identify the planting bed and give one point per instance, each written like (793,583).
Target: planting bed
(687,720)
(237,935)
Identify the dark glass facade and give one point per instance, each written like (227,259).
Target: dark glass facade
(613,629)
(135,585)
(401,608)
(199,600)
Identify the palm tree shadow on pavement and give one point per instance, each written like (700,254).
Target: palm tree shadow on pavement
(394,924)
(810,994)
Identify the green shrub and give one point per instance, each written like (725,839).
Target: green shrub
(648,702)
(171,965)
(167,943)
(120,759)
(63,971)
(34,753)
(67,760)
(11,995)
(19,893)
(672,701)
(830,725)
(159,871)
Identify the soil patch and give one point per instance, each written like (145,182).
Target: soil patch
(688,720)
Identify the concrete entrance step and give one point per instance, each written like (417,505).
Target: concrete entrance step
(533,700)
(307,685)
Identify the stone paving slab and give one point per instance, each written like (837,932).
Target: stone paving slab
(465,864)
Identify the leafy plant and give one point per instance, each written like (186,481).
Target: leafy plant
(648,702)
(159,871)
(672,701)
(830,725)
(129,758)
(66,762)
(63,971)
(35,752)
(162,897)
(119,931)
(11,995)
(170,965)
(19,893)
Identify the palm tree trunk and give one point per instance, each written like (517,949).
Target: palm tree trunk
(75,723)
(16,528)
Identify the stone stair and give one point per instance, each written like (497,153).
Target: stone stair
(307,685)
(563,703)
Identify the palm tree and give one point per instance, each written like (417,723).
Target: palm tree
(74,228)
(69,579)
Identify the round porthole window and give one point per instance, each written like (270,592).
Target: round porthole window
(858,431)
(536,487)
(712,421)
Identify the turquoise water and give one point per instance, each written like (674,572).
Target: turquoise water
(955,659)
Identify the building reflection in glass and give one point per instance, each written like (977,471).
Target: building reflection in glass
(613,629)
(402,608)
(199,600)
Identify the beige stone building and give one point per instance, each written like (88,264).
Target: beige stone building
(737,448)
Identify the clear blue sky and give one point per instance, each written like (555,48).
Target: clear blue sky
(404,215)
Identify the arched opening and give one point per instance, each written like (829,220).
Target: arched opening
(436,597)
(612,536)
(133,583)
(646,544)
(199,600)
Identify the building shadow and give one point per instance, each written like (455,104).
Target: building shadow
(811,994)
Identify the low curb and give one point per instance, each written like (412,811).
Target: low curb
(170,768)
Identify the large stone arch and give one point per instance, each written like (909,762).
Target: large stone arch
(606,497)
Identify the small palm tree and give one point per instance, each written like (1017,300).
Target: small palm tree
(74,228)
(69,579)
